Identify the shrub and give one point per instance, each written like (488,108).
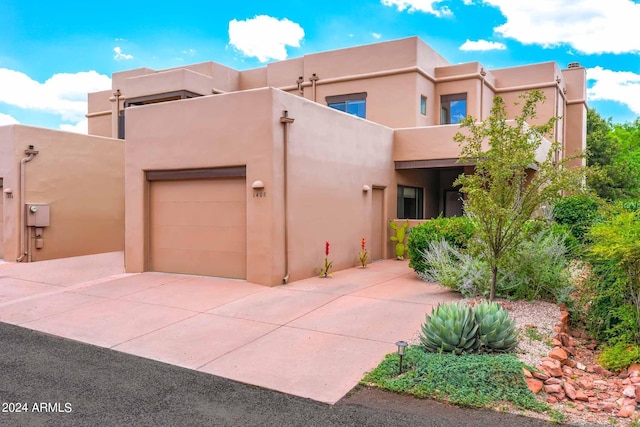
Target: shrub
(619,356)
(458,328)
(537,269)
(457,231)
(577,212)
(468,380)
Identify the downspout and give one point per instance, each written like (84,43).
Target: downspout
(313,79)
(31,153)
(117,94)
(483,73)
(285,120)
(299,82)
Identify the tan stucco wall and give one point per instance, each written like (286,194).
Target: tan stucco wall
(331,156)
(207,132)
(82,179)
(99,113)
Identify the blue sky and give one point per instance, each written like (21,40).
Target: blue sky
(53,53)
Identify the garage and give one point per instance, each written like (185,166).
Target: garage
(198,225)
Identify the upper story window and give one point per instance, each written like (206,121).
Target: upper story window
(453,108)
(353,103)
(423,105)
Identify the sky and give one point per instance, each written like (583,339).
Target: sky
(53,53)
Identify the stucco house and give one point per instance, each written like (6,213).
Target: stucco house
(246,174)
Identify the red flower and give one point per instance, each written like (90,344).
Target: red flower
(326,248)
(362,243)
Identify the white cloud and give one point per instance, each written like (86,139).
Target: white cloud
(189,52)
(589,26)
(81,127)
(427,6)
(6,119)
(619,86)
(118,55)
(63,94)
(265,37)
(376,35)
(482,45)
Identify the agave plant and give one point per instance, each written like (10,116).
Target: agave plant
(451,328)
(496,331)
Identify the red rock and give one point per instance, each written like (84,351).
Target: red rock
(629,401)
(552,400)
(635,367)
(593,399)
(553,381)
(552,368)
(553,388)
(526,373)
(592,346)
(534,385)
(608,407)
(629,391)
(593,407)
(567,371)
(601,371)
(626,411)
(570,391)
(559,354)
(541,375)
(585,383)
(634,380)
(556,342)
(581,396)
(637,393)
(570,363)
(570,350)
(604,396)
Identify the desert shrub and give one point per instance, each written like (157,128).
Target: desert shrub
(619,356)
(456,269)
(537,269)
(457,231)
(577,212)
(476,380)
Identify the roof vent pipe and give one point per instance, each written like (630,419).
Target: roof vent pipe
(574,65)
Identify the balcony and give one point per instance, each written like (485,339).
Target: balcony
(433,146)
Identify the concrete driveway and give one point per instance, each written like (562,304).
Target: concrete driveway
(313,338)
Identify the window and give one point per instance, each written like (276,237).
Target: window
(423,105)
(353,103)
(410,202)
(453,108)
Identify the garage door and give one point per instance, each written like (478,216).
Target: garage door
(198,226)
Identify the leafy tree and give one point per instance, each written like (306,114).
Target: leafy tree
(501,196)
(618,239)
(615,150)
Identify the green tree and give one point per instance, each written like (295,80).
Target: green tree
(615,151)
(502,194)
(618,239)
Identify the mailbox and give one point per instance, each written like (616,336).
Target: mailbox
(37,215)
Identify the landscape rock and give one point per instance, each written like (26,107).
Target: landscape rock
(553,389)
(570,391)
(626,411)
(559,354)
(534,385)
(629,391)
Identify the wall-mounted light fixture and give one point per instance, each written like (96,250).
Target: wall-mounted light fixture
(257,185)
(365,188)
(9,192)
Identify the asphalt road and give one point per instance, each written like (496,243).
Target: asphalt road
(57,382)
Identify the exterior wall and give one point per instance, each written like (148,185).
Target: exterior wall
(332,155)
(426,143)
(99,113)
(194,134)
(79,176)
(576,114)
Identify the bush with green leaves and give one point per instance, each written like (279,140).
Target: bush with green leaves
(457,231)
(461,329)
(578,213)
(476,380)
(619,356)
(536,269)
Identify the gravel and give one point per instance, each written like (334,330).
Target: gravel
(535,322)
